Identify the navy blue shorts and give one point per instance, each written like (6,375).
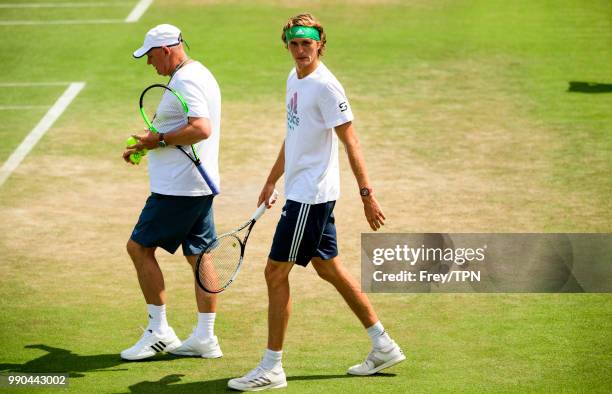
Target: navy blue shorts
(170,221)
(305,231)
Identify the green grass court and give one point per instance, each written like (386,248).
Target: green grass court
(467,124)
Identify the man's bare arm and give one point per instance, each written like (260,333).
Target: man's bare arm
(372,210)
(275,173)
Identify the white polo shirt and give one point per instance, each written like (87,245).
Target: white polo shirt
(315,105)
(170,171)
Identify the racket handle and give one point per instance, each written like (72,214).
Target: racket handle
(262,208)
(209,182)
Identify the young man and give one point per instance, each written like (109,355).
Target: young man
(318,114)
(179,210)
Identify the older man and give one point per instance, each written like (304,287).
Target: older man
(179,210)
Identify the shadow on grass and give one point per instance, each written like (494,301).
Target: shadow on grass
(58,360)
(166,384)
(64,361)
(589,87)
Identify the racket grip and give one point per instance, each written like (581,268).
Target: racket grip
(262,208)
(209,182)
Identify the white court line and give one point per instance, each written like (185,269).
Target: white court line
(18,107)
(61,5)
(31,84)
(139,9)
(137,12)
(61,22)
(39,130)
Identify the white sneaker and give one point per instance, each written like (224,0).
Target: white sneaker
(260,379)
(152,343)
(378,360)
(194,346)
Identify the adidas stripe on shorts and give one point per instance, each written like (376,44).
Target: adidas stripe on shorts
(305,231)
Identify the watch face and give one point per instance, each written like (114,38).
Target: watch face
(365,191)
(161,144)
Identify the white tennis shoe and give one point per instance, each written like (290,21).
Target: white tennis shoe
(152,343)
(379,359)
(194,346)
(260,379)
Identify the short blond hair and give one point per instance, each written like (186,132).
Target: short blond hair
(305,20)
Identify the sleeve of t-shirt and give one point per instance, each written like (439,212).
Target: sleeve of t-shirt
(194,97)
(334,105)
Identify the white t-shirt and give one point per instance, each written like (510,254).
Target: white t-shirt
(315,105)
(170,171)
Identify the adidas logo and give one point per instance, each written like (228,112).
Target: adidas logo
(299,32)
(260,381)
(283,213)
(159,346)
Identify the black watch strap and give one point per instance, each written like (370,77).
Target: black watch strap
(161,143)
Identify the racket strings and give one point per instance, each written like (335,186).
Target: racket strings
(219,264)
(164,109)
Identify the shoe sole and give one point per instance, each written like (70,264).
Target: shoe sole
(260,388)
(382,366)
(213,354)
(138,358)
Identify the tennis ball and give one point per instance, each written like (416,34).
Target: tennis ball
(135,157)
(131,141)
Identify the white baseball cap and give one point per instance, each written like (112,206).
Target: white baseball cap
(160,36)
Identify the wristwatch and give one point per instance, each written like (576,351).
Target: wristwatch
(365,191)
(161,143)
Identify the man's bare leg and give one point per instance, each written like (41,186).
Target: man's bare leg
(334,272)
(279,302)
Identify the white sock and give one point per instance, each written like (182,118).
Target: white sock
(157,318)
(206,325)
(271,359)
(378,335)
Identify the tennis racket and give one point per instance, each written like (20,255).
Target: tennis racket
(163,110)
(218,266)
